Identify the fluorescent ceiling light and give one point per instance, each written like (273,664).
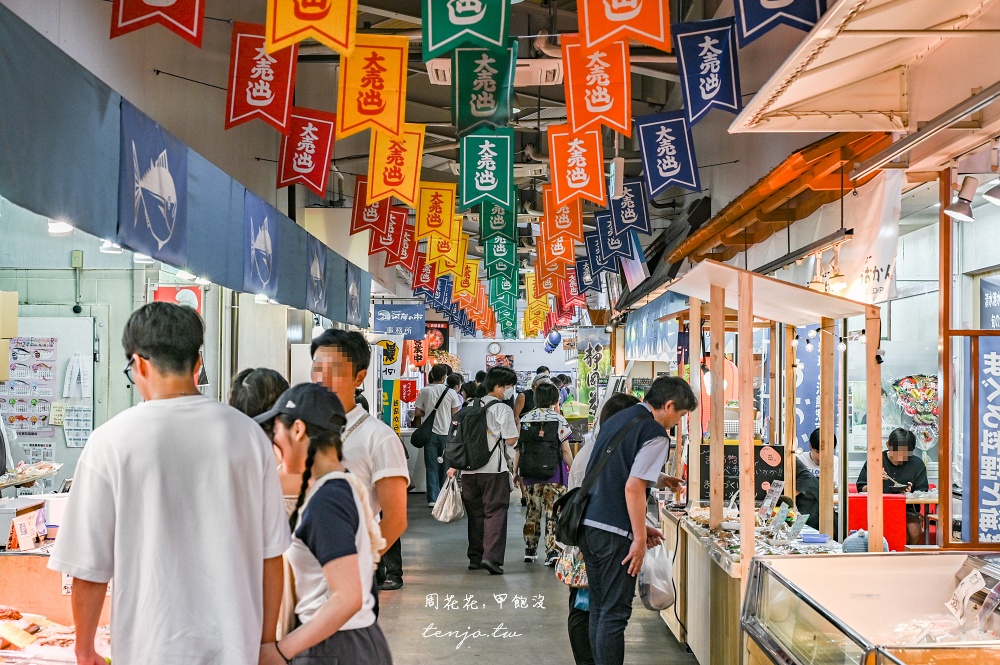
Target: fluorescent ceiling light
(108,247)
(59,228)
(142,258)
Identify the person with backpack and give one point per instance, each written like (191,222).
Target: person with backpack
(438,399)
(542,462)
(476,448)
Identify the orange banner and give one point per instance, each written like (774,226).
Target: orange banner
(372,88)
(394,165)
(330,22)
(577,161)
(646,21)
(450,255)
(555,251)
(598,85)
(564,220)
(436,209)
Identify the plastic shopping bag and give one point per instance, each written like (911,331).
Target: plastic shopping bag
(656,587)
(448,507)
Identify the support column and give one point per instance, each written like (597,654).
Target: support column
(873,333)
(788,395)
(746,371)
(694,418)
(827,424)
(716,426)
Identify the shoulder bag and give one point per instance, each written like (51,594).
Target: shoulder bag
(422,435)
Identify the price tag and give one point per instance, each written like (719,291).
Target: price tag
(778,520)
(57,415)
(960,599)
(24,530)
(797,525)
(771,499)
(16,636)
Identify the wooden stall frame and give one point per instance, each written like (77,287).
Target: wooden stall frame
(716,425)
(748,513)
(694,418)
(827,345)
(788,428)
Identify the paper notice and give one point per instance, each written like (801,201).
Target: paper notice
(78,425)
(16,636)
(57,416)
(960,599)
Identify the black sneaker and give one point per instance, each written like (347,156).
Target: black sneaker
(475,565)
(391,584)
(529,556)
(551,558)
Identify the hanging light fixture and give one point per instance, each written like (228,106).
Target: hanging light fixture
(795,342)
(843,345)
(58,227)
(962,208)
(809,347)
(838,282)
(993,193)
(817,283)
(108,247)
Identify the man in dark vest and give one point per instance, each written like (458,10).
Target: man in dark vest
(614,536)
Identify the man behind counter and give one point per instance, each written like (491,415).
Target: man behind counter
(902,472)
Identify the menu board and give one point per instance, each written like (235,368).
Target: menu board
(26,399)
(768,464)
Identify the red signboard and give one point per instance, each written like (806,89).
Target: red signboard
(260,83)
(185,17)
(176,294)
(307,149)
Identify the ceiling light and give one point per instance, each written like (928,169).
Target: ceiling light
(184,274)
(812,333)
(817,283)
(993,194)
(843,345)
(59,228)
(961,209)
(809,347)
(837,281)
(202,281)
(142,258)
(108,247)
(260,299)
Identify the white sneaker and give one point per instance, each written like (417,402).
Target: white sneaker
(430,504)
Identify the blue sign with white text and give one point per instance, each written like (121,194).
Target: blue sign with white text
(710,70)
(755,18)
(406,320)
(611,244)
(595,259)
(989,303)
(586,278)
(667,152)
(629,212)
(260,246)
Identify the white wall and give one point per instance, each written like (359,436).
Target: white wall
(528,355)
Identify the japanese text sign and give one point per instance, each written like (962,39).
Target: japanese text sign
(372,86)
(487,167)
(562,220)
(667,152)
(755,18)
(496,220)
(436,209)
(482,87)
(406,320)
(404,252)
(646,21)
(989,303)
(577,160)
(424,274)
(597,262)
(598,85)
(451,23)
(330,22)
(364,215)
(611,244)
(710,69)
(389,239)
(307,149)
(394,164)
(184,17)
(586,278)
(260,83)
(988,422)
(630,212)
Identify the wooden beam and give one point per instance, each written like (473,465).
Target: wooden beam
(717,426)
(945,276)
(921,176)
(827,344)
(873,333)
(788,428)
(694,418)
(772,381)
(831,183)
(778,216)
(748,511)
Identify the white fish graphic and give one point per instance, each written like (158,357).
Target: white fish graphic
(318,283)
(155,198)
(260,251)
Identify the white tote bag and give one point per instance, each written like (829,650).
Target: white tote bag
(656,587)
(448,507)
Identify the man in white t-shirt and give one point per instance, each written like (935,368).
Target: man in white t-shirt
(448,402)
(178,500)
(810,457)
(372,450)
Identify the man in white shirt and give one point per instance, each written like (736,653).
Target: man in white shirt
(448,402)
(372,450)
(810,457)
(178,500)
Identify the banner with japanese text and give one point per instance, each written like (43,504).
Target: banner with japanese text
(316,284)
(468,281)
(183,17)
(330,22)
(594,353)
(260,83)
(394,319)
(562,220)
(487,166)
(500,256)
(987,421)
(709,66)
(372,85)
(755,18)
(424,274)
(448,24)
(587,279)
(630,212)
(394,164)
(404,252)
(612,245)
(667,149)
(390,239)
(570,291)
(482,87)
(436,209)
(558,250)
(416,352)
(392,354)
(260,246)
(364,215)
(646,21)
(598,84)
(307,149)
(577,163)
(496,220)
(596,260)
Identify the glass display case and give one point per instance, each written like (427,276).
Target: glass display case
(868,609)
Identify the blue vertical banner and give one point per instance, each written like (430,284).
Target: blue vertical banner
(988,423)
(630,212)
(406,320)
(807,386)
(667,152)
(355,316)
(755,18)
(152,189)
(595,259)
(989,303)
(586,278)
(710,69)
(260,246)
(611,244)
(316,281)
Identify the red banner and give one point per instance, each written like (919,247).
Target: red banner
(598,85)
(185,17)
(366,215)
(415,352)
(389,239)
(260,84)
(307,149)
(570,290)
(577,160)
(562,220)
(424,274)
(408,390)
(406,256)
(646,21)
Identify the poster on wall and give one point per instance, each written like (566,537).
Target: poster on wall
(392,410)
(594,358)
(499,361)
(437,336)
(26,399)
(405,320)
(989,303)
(190,296)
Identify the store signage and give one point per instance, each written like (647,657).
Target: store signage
(408,391)
(667,149)
(260,246)
(406,320)
(356,309)
(330,22)
(436,209)
(496,220)
(555,251)
(424,273)
(595,258)
(487,166)
(260,83)
(710,69)
(570,291)
(586,278)
(403,252)
(988,421)
(468,281)
(416,352)
(189,296)
(594,358)
(755,18)
(631,212)
(598,85)
(564,220)
(152,189)
(372,85)
(482,87)
(989,303)
(316,283)
(611,243)
(390,239)
(868,262)
(577,161)
(365,215)
(451,23)
(307,149)
(184,17)
(646,21)
(394,164)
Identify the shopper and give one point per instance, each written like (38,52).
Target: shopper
(810,458)
(436,395)
(542,493)
(902,473)
(373,451)
(454,382)
(253,392)
(614,536)
(525,402)
(564,381)
(157,491)
(486,490)
(336,541)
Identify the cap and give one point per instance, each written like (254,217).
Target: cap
(312,404)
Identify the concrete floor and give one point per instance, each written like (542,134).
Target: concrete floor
(434,562)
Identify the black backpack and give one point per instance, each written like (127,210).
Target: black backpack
(540,450)
(469,445)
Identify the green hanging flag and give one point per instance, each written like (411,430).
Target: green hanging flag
(496,220)
(487,166)
(497,250)
(451,23)
(482,87)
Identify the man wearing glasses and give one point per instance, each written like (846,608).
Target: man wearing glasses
(178,500)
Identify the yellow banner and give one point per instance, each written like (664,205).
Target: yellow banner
(330,22)
(372,88)
(468,282)
(394,165)
(436,209)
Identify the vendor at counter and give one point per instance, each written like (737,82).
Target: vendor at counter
(902,473)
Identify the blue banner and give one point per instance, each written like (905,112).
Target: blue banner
(710,70)
(630,212)
(595,260)
(755,18)
(586,278)
(611,244)
(316,279)
(406,320)
(355,305)
(988,423)
(989,303)
(152,189)
(260,246)
(667,152)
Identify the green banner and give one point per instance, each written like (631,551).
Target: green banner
(482,87)
(500,257)
(448,24)
(594,357)
(487,166)
(496,220)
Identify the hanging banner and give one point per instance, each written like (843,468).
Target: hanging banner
(755,18)
(468,281)
(630,212)
(646,21)
(593,345)
(260,247)
(184,17)
(416,352)
(570,292)
(500,256)
(482,87)
(562,220)
(405,320)
(988,457)
(868,262)
(152,189)
(405,254)
(424,274)
(577,161)
(667,149)
(587,279)
(260,84)
(595,259)
(390,239)
(487,167)
(330,22)
(611,244)
(408,388)
(710,68)
(307,149)
(435,209)
(598,85)
(394,164)
(451,23)
(316,283)
(496,220)
(559,250)
(372,85)
(364,215)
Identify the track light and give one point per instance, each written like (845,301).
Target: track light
(108,247)
(961,209)
(817,283)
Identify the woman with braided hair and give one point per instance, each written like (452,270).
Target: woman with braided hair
(335,539)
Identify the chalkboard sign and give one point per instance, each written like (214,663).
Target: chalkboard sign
(641,386)
(768,464)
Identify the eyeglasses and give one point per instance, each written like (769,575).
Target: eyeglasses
(128,366)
